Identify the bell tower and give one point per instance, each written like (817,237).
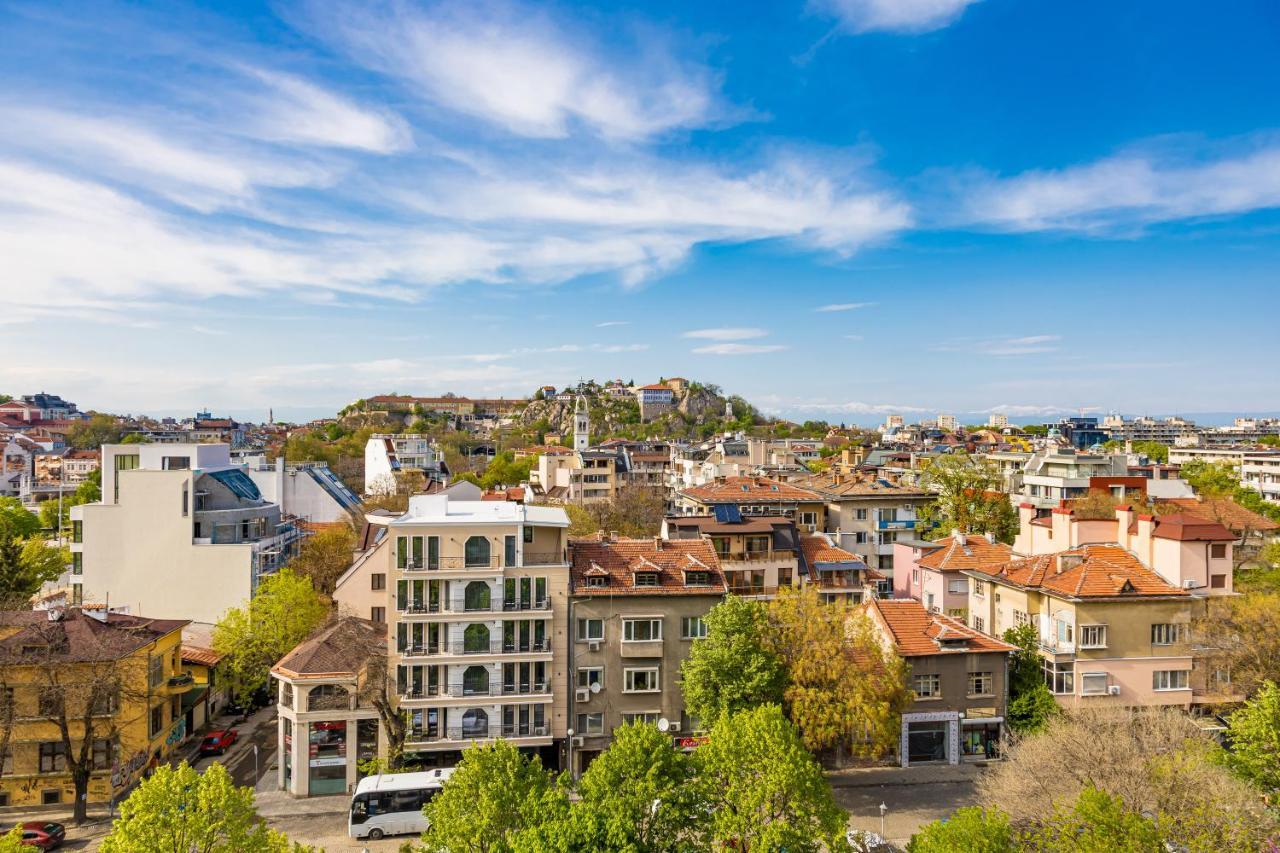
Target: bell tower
(581,424)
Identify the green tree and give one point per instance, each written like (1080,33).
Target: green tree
(183,811)
(1097,823)
(1153,450)
(494,796)
(17,520)
(90,491)
(25,566)
(1031,705)
(734,668)
(972,829)
(640,795)
(1241,635)
(845,688)
(1210,479)
(1254,735)
(94,432)
(11,841)
(324,556)
(284,610)
(768,792)
(968,497)
(136,438)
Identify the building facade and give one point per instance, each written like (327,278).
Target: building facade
(388,456)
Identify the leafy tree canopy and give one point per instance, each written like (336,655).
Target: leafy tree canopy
(733,668)
(1254,735)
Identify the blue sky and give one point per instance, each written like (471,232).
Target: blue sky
(832,207)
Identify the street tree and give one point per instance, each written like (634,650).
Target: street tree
(91,434)
(183,811)
(1241,635)
(494,796)
(734,668)
(969,498)
(1031,705)
(11,841)
(324,556)
(283,611)
(25,566)
(845,689)
(1254,735)
(640,795)
(17,520)
(972,829)
(768,792)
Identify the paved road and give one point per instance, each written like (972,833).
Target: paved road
(913,797)
(260,729)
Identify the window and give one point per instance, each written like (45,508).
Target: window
(589,675)
(979,587)
(102,754)
(1168,634)
(860,537)
(377,580)
(927,686)
(155,670)
(476,551)
(591,724)
(640,680)
(509,551)
(1093,683)
(77,531)
(860,514)
(980,624)
(1093,636)
(697,578)
(1060,677)
(378,615)
(53,757)
(981,684)
(646,579)
(528,535)
(1218,551)
(641,630)
(433,552)
(402,551)
(597,581)
(1169,679)
(175,463)
(590,630)
(157,720)
(50,702)
(809,518)
(957,586)
(693,628)
(647,717)
(51,797)
(1218,581)
(1021,617)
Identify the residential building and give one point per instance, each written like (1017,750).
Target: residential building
(1252,531)
(475,599)
(654,400)
(948,423)
(179,530)
(1079,432)
(930,571)
(387,456)
(837,574)
(592,475)
(638,605)
(867,512)
(1171,431)
(997,421)
(327,722)
(1258,469)
(1052,476)
(210,692)
(959,678)
(122,672)
(756,496)
(18,461)
(39,407)
(308,489)
(757,554)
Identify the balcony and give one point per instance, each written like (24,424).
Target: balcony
(461,735)
(896,524)
(180,683)
(754,556)
(747,590)
(837,580)
(461,647)
(549,558)
(423,608)
(462,691)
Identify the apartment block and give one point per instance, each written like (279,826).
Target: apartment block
(757,554)
(179,530)
(930,571)
(756,496)
(638,605)
(387,456)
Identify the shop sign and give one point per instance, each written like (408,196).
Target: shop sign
(332,761)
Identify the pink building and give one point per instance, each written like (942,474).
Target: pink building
(930,572)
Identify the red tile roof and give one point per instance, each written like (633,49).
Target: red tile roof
(818,549)
(836,485)
(917,632)
(1226,512)
(619,561)
(965,552)
(749,490)
(1185,527)
(1090,571)
(200,655)
(341,647)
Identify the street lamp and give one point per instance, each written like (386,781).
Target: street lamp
(569,742)
(883,809)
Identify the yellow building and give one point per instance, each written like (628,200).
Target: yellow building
(123,673)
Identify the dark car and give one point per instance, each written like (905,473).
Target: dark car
(43,835)
(216,743)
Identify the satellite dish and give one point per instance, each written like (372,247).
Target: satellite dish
(663,724)
(595,687)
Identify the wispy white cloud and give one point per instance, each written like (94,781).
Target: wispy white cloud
(837,307)
(902,16)
(851,407)
(1165,181)
(1025,345)
(853,337)
(293,109)
(738,333)
(520,68)
(737,349)
(609,323)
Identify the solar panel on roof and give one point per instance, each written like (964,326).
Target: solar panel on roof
(728,513)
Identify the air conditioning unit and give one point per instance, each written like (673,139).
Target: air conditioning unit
(1189,583)
(674,726)
(577,741)
(1114,690)
(582,694)
(593,646)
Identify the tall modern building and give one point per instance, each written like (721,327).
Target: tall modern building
(180,531)
(475,597)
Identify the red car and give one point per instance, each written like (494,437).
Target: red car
(44,835)
(216,743)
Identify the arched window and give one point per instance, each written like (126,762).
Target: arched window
(327,697)
(476,596)
(477,552)
(475,680)
(475,723)
(476,638)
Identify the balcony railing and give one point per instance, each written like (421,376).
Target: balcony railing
(496,647)
(456,691)
(746,589)
(554,558)
(836,580)
(413,608)
(550,558)
(896,524)
(460,733)
(753,556)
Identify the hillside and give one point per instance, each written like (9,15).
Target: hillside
(699,412)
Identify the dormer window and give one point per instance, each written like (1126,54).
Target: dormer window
(697,578)
(646,578)
(597,581)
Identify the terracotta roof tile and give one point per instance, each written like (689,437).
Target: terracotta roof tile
(1090,571)
(200,655)
(916,632)
(1226,512)
(77,637)
(342,647)
(851,486)
(619,561)
(748,490)
(965,552)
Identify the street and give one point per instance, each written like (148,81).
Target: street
(912,796)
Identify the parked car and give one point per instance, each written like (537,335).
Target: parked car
(216,743)
(43,835)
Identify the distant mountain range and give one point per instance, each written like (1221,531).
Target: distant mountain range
(860,416)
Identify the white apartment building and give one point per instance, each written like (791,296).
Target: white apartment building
(1057,474)
(389,454)
(948,423)
(306,489)
(475,596)
(997,421)
(1164,430)
(180,532)
(1258,469)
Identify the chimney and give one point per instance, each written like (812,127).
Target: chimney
(1144,544)
(613,536)
(1124,517)
(958,536)
(1066,561)
(991,538)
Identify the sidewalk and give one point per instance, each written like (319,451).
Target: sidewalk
(921,774)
